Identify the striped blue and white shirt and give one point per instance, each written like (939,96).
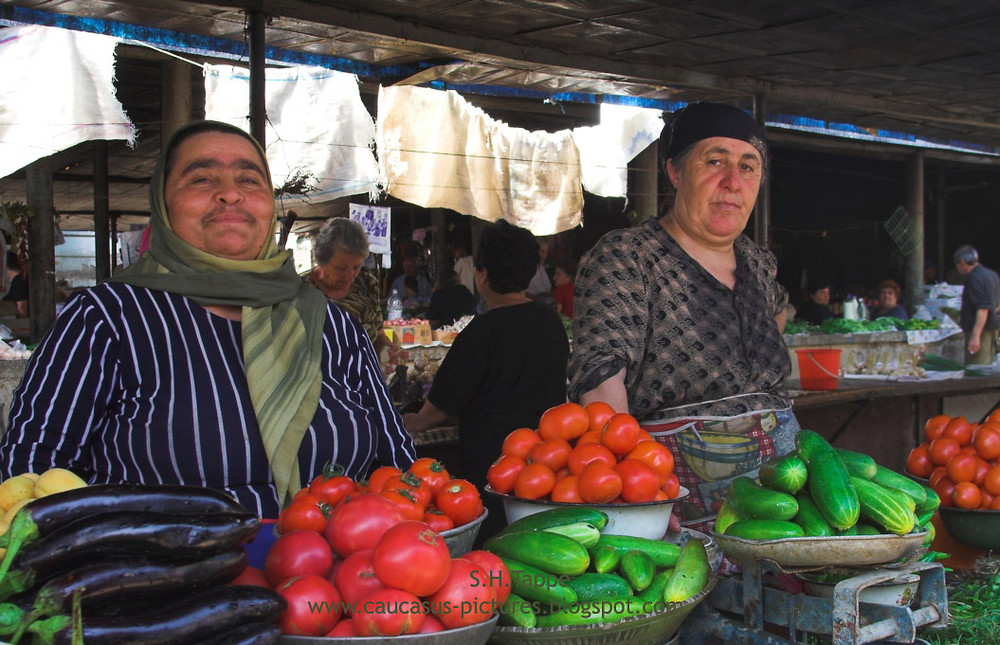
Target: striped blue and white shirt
(136,385)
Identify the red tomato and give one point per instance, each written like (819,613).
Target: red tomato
(388,612)
(503,472)
(497,576)
(314,606)
(251,576)
(986,499)
(673,487)
(567,490)
(412,557)
(554,453)
(656,456)
(466,598)
(459,499)
(308,512)
(566,421)
(987,441)
(299,553)
(343,629)
(332,486)
(379,476)
(945,488)
(599,412)
(981,469)
(621,434)
(599,483)
(934,427)
(431,625)
(992,481)
(359,522)
(943,449)
(520,442)
(432,472)
(404,498)
(919,462)
(966,495)
(413,484)
(583,454)
(960,430)
(535,481)
(355,578)
(640,483)
(437,520)
(590,436)
(995,504)
(937,474)
(962,468)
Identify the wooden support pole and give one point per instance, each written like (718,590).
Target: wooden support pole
(41,249)
(258,109)
(643,187)
(102,212)
(913,279)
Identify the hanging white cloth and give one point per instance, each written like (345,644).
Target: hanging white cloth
(606,149)
(56,91)
(438,151)
(317,126)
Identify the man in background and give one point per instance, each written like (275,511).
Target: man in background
(980,299)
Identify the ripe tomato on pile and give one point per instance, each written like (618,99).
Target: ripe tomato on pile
(961,460)
(584,454)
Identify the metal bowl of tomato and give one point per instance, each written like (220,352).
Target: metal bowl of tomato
(645,519)
(476,634)
(973,527)
(461,538)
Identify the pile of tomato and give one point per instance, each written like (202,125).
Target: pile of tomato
(585,454)
(357,559)
(961,460)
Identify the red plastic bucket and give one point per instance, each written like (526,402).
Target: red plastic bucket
(819,369)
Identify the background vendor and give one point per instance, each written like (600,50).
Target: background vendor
(980,300)
(888,301)
(505,368)
(679,320)
(816,307)
(208,362)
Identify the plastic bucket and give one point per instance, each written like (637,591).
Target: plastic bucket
(819,369)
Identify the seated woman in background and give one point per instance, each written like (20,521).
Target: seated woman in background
(816,308)
(888,301)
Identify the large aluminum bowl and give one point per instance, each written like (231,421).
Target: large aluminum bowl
(972,527)
(461,538)
(648,519)
(841,550)
(472,635)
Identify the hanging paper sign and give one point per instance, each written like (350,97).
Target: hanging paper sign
(375,221)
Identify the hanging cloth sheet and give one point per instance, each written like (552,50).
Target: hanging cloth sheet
(56,91)
(606,149)
(317,126)
(438,151)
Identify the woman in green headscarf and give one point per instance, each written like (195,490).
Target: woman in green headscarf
(208,361)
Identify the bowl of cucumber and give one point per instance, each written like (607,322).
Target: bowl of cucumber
(647,520)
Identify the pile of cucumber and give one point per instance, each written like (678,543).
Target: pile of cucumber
(118,564)
(564,571)
(822,491)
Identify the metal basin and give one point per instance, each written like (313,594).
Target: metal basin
(972,527)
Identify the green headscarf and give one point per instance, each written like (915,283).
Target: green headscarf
(282,317)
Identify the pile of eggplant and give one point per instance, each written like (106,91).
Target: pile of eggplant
(119,564)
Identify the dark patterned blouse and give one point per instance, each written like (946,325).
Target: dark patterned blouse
(685,339)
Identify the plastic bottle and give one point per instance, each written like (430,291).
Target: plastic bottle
(394,306)
(862,309)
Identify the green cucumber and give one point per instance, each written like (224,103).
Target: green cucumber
(848,532)
(638,569)
(559,516)
(931,534)
(753,500)
(829,482)
(864,528)
(757,529)
(599,586)
(931,504)
(892,479)
(901,497)
(883,508)
(690,574)
(518,612)
(604,558)
(654,592)
(810,519)
(786,473)
(584,533)
(531,583)
(858,463)
(664,554)
(593,613)
(548,551)
(726,516)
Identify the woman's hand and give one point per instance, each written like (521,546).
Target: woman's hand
(430,416)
